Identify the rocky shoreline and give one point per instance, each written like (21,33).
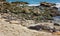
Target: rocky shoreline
(7,29)
(28,20)
(15,28)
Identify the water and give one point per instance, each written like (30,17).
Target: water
(36,1)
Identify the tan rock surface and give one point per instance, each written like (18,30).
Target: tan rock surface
(7,29)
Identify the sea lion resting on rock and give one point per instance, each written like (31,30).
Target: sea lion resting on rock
(43,27)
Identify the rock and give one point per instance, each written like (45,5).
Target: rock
(14,22)
(8,29)
(26,23)
(56,33)
(0,16)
